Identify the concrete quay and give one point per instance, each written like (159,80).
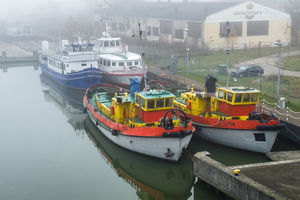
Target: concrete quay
(271,180)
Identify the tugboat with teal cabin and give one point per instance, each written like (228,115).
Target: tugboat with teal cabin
(144,122)
(73,65)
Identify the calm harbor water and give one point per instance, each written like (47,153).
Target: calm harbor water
(49,149)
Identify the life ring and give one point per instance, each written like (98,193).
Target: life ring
(112,110)
(188,105)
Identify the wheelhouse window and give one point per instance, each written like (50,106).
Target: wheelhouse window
(104,62)
(254,97)
(106,43)
(100,61)
(112,43)
(129,63)
(113,64)
(229,97)
(221,94)
(143,102)
(121,63)
(238,98)
(169,102)
(108,63)
(159,103)
(83,64)
(136,62)
(246,98)
(117,43)
(151,104)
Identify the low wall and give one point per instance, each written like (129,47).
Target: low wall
(223,178)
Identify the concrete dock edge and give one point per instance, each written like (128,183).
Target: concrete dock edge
(223,179)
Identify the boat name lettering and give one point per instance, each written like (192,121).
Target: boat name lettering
(229,124)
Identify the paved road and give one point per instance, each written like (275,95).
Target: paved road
(269,63)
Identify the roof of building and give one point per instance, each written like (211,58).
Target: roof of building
(247,11)
(193,11)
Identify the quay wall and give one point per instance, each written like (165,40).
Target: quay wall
(223,179)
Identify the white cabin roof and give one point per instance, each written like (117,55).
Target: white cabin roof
(120,56)
(109,39)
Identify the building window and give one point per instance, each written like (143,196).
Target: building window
(195,29)
(255,28)
(166,27)
(114,26)
(121,27)
(155,31)
(236,29)
(179,34)
(149,30)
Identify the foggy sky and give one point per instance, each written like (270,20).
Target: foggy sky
(14,10)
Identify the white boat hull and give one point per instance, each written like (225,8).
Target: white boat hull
(241,139)
(121,79)
(169,148)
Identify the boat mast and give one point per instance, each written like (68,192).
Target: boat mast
(107,28)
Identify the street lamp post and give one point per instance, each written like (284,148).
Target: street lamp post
(227,52)
(279,63)
(187,52)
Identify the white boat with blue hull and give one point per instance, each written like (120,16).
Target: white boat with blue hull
(73,66)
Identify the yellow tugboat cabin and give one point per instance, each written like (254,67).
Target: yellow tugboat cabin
(236,101)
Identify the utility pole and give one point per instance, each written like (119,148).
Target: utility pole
(187,53)
(227,52)
(142,59)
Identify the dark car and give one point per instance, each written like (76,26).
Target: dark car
(248,70)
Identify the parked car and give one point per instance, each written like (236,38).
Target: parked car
(248,70)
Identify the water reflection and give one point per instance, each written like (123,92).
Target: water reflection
(152,178)
(67,99)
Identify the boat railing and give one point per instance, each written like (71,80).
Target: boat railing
(285,114)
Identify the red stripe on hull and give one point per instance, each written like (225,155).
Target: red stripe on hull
(231,123)
(123,74)
(136,131)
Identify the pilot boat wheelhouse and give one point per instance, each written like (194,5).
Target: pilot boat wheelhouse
(144,122)
(229,117)
(74,65)
(120,67)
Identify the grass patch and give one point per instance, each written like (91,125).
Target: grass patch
(291,63)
